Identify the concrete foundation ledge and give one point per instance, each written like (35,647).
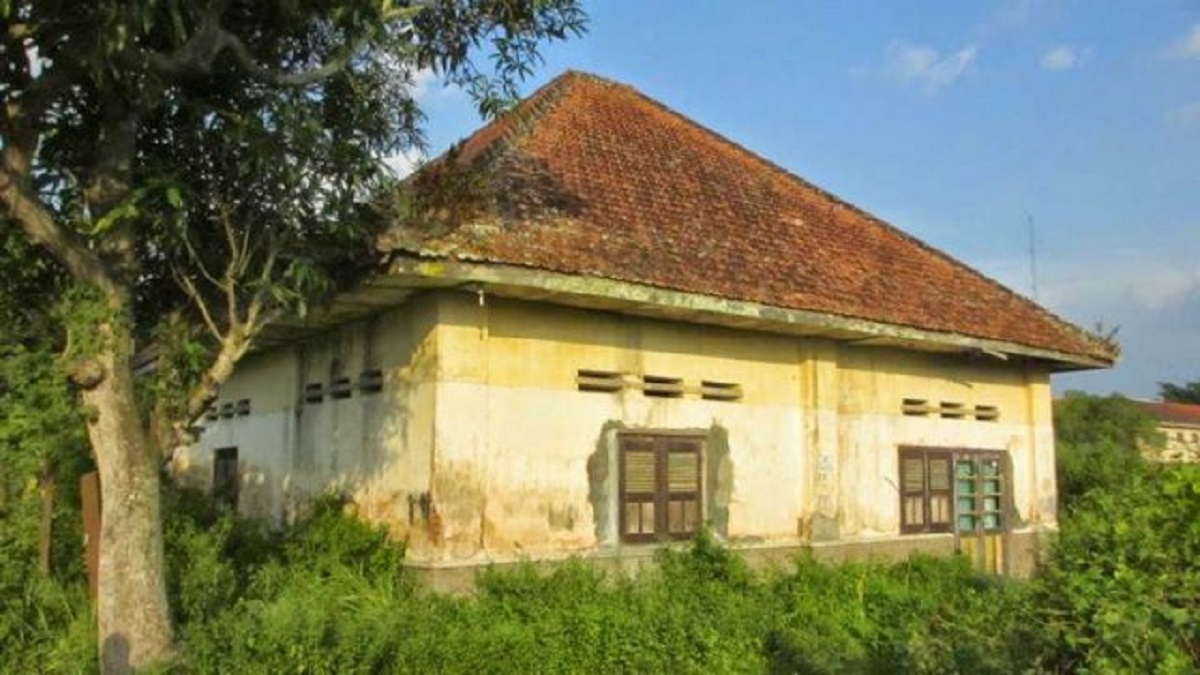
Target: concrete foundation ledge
(1025,549)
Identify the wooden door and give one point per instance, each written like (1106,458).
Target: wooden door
(980,495)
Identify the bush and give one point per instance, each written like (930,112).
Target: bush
(1121,589)
(1099,442)
(921,616)
(325,596)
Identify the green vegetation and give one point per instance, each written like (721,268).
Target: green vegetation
(1185,392)
(1098,444)
(1119,592)
(192,171)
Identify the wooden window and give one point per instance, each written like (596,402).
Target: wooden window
(925,490)
(979,492)
(943,490)
(242,408)
(660,486)
(225,477)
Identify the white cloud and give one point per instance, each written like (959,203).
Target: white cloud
(1149,280)
(1011,15)
(1186,47)
(1186,115)
(428,86)
(1062,57)
(926,69)
(406,162)
(1150,291)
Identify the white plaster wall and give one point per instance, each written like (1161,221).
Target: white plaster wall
(873,384)
(481,417)
(515,436)
(374,447)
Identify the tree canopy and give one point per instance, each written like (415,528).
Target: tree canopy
(1099,441)
(191,170)
(1186,392)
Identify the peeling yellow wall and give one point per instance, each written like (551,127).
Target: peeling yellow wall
(481,447)
(872,383)
(812,446)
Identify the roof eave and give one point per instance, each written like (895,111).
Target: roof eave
(640,299)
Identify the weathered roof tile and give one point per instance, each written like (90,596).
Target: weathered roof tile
(591,177)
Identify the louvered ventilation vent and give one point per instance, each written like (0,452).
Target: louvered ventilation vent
(953,411)
(656,386)
(370,381)
(916,407)
(720,391)
(599,380)
(314,393)
(340,388)
(987,413)
(662,387)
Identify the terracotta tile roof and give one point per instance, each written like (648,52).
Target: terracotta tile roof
(1172,413)
(590,177)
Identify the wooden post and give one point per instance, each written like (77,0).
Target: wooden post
(46,525)
(89,491)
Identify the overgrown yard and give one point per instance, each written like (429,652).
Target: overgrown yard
(1119,594)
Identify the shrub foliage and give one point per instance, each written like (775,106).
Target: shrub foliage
(1119,592)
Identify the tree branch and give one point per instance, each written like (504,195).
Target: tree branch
(189,289)
(201,50)
(39,226)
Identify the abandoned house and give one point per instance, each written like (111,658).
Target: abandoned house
(1179,423)
(599,326)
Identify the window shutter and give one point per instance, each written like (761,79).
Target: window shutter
(639,472)
(912,490)
(639,482)
(939,466)
(661,483)
(683,487)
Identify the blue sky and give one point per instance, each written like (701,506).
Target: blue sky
(957,122)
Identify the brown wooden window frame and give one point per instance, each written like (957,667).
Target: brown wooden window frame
(932,495)
(948,500)
(674,512)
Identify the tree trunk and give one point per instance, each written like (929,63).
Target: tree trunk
(131,605)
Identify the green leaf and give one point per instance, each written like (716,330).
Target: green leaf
(174,196)
(126,209)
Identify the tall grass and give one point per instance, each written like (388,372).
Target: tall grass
(1119,594)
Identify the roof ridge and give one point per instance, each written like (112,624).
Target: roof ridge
(789,175)
(522,118)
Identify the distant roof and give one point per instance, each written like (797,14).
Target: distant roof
(1172,413)
(589,177)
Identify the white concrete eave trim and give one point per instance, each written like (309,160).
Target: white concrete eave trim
(632,298)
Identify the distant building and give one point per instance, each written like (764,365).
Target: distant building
(1180,424)
(605,326)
